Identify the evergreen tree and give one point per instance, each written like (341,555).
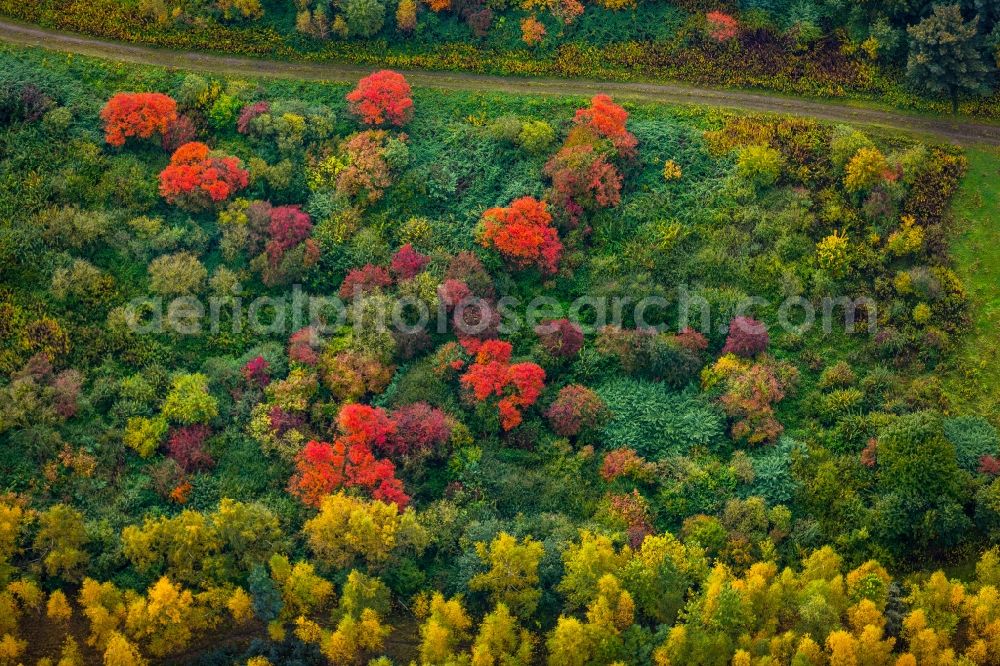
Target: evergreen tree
(944,56)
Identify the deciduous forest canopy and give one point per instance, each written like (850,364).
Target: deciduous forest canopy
(300,373)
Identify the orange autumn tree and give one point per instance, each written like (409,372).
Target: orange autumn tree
(518,385)
(140,115)
(197,179)
(523,234)
(322,468)
(532,31)
(382,98)
(607,119)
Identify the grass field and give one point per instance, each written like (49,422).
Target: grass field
(974,382)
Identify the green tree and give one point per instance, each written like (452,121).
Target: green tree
(364,17)
(944,56)
(189,400)
(920,483)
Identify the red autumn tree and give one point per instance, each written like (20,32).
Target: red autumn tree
(186,446)
(453,292)
(364,280)
(750,397)
(248,113)
(197,179)
(382,98)
(721,26)
(560,337)
(419,427)
(518,385)
(322,468)
(141,115)
(692,340)
(607,119)
(576,410)
(523,234)
(255,372)
(289,227)
(583,179)
(747,337)
(304,345)
(407,262)
(466,267)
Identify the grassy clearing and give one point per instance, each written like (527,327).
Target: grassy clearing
(974,381)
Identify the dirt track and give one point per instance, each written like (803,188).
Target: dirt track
(965,133)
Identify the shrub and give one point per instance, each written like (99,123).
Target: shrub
(535,136)
(761,165)
(419,428)
(576,411)
(518,385)
(177,274)
(139,115)
(186,446)
(747,337)
(655,422)
(364,280)
(973,437)
(560,337)
(865,170)
(532,31)
(145,434)
(197,179)
(523,234)
(407,262)
(189,401)
(382,98)
(607,119)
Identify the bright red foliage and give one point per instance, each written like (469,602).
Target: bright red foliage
(523,234)
(364,280)
(607,119)
(137,114)
(197,179)
(419,427)
(518,385)
(322,468)
(747,337)
(255,372)
(407,262)
(721,26)
(382,98)
(186,447)
(362,424)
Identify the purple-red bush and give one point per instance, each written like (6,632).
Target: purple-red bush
(747,337)
(186,446)
(576,410)
(363,280)
(560,337)
(419,427)
(407,262)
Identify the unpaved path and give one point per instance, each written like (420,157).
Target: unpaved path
(966,133)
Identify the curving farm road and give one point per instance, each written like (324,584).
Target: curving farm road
(961,132)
